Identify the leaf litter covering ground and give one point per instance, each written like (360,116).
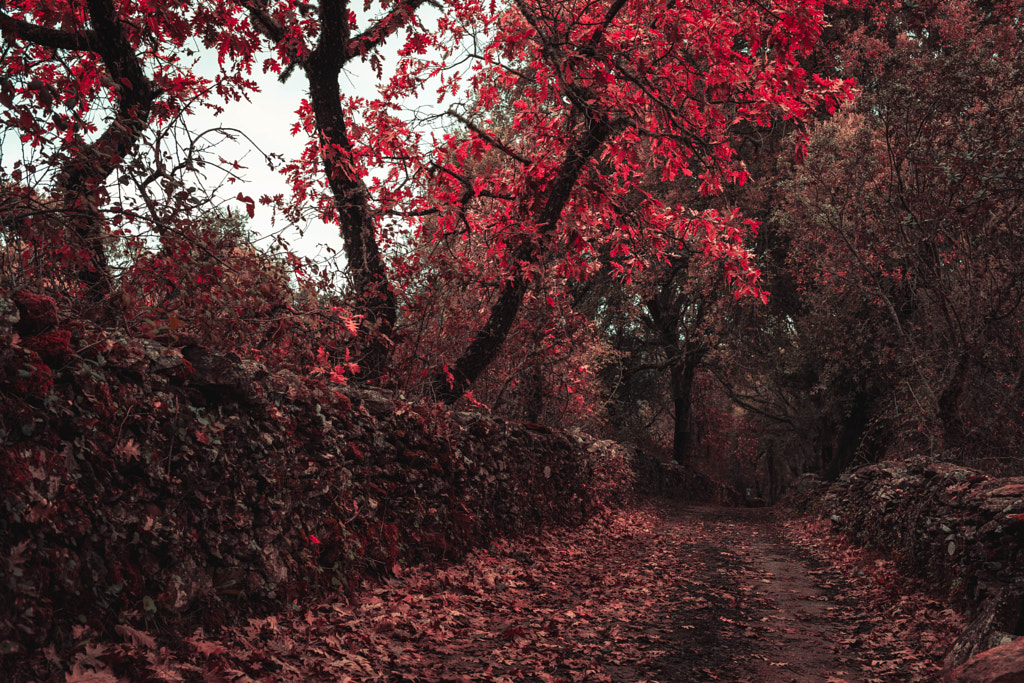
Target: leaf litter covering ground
(650,594)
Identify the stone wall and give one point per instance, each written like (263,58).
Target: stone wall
(957,528)
(154,482)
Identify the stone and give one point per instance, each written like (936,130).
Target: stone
(38,312)
(218,375)
(959,530)
(1009,490)
(999,614)
(9,318)
(1003,664)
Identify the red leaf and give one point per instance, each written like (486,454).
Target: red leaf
(250,204)
(514,632)
(138,638)
(206,648)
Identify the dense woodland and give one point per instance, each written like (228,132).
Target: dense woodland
(755,238)
(768,239)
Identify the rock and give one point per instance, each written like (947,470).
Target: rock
(218,375)
(807,482)
(161,358)
(139,359)
(958,529)
(9,318)
(998,615)
(374,400)
(1003,664)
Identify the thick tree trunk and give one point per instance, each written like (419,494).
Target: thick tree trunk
(80,183)
(852,432)
(375,300)
(682,399)
(451,384)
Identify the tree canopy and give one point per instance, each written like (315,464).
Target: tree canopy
(763,219)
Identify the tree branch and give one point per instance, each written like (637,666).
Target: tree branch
(83,175)
(488,341)
(609,17)
(488,138)
(79,41)
(376,35)
(269,27)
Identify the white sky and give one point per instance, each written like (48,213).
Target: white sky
(267,120)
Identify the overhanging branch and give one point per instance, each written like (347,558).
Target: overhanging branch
(78,41)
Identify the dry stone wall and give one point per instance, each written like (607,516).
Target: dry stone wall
(958,529)
(157,482)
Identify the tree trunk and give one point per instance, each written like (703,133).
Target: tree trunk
(949,401)
(80,182)
(682,399)
(485,345)
(375,300)
(450,385)
(336,47)
(853,430)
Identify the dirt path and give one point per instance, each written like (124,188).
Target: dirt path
(669,595)
(786,626)
(783,625)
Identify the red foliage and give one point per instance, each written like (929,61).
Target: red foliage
(52,346)
(38,311)
(204,453)
(569,110)
(27,374)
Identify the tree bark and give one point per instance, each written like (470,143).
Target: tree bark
(682,376)
(452,382)
(850,436)
(80,181)
(375,300)
(949,401)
